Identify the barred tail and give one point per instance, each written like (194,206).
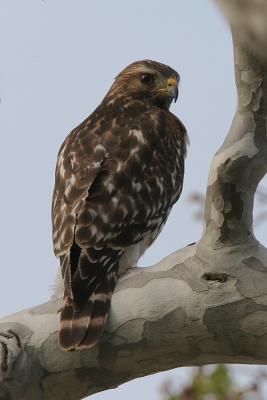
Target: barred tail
(81,325)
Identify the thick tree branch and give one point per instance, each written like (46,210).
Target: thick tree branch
(204,304)
(249,19)
(240,163)
(177,313)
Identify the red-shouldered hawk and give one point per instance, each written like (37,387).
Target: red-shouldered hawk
(118,175)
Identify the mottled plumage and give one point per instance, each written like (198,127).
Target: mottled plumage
(117,177)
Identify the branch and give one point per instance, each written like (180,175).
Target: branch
(249,19)
(177,313)
(240,163)
(206,303)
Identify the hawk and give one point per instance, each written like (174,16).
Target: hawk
(117,177)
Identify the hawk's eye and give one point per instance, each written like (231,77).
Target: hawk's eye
(147,78)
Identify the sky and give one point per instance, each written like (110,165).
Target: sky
(58,59)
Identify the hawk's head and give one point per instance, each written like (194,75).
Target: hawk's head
(148,80)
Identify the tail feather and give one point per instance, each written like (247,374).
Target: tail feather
(81,326)
(74,323)
(97,324)
(90,276)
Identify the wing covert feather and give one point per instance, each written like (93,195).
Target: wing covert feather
(79,162)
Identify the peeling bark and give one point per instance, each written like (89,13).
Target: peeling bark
(240,163)
(206,303)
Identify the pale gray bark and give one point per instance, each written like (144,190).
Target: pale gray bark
(249,18)
(206,303)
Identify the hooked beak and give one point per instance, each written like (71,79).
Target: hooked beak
(172,88)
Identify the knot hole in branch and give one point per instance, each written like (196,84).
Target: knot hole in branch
(213,276)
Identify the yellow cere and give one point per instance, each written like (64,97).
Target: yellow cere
(171,82)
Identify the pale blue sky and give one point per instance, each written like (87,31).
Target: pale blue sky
(58,58)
